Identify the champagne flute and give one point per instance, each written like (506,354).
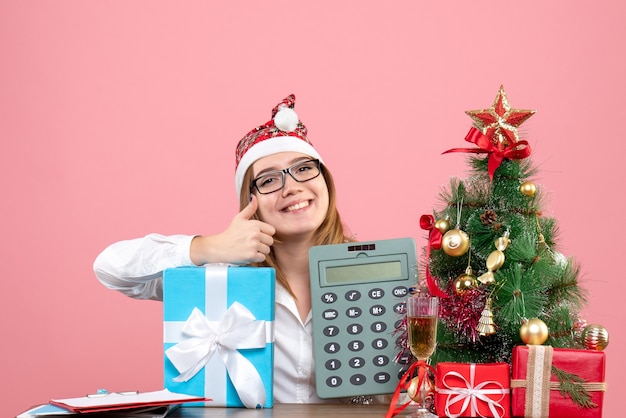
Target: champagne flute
(422,329)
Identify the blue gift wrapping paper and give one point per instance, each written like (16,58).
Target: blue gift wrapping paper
(213,290)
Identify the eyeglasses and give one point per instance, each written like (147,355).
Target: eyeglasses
(275,180)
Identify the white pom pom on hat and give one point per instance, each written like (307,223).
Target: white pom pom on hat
(286,119)
(283,133)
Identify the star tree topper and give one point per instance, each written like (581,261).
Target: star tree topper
(500,121)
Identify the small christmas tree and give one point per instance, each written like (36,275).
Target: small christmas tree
(491,253)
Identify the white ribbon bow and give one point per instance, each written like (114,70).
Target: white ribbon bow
(470,395)
(237,329)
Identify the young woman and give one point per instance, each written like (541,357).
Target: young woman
(288,205)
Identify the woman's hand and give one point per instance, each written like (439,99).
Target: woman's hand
(244,241)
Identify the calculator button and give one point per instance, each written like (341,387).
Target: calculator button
(352,295)
(353,312)
(376,293)
(329,297)
(333,381)
(382,377)
(330,314)
(400,291)
(399,308)
(355,329)
(381,361)
(357,379)
(357,362)
(332,348)
(333,364)
(380,343)
(356,345)
(378,310)
(398,324)
(331,331)
(378,326)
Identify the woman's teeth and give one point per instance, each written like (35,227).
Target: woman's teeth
(297,206)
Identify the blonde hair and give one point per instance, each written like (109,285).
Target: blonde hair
(331,231)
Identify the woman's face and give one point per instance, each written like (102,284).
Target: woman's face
(297,208)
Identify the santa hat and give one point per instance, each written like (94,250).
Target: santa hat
(284,132)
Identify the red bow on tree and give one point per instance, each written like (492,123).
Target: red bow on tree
(516,151)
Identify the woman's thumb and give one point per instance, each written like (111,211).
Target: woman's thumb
(250,210)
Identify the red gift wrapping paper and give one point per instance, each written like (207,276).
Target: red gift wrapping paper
(587,364)
(472,390)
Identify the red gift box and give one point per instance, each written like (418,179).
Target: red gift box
(472,390)
(532,374)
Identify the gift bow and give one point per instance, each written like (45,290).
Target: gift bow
(237,329)
(427,222)
(516,151)
(471,394)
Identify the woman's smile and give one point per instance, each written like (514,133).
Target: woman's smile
(297,206)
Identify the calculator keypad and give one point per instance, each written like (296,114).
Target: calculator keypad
(360,354)
(358,291)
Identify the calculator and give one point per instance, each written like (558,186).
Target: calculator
(358,292)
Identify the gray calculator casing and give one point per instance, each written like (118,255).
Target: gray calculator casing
(358,291)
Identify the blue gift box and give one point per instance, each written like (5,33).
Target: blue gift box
(218,334)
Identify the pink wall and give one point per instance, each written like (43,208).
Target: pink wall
(120,118)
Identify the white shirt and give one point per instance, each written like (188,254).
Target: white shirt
(134,267)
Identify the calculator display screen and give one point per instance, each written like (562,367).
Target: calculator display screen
(359,273)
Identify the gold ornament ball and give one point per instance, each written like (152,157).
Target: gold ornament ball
(443,225)
(528,188)
(534,332)
(466,281)
(595,337)
(455,242)
(416,394)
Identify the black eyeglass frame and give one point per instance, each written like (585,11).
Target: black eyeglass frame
(287,170)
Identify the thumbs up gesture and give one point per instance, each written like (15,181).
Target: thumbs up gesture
(245,240)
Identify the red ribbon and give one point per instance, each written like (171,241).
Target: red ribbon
(496,154)
(405,383)
(427,222)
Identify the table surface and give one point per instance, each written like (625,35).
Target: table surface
(289,410)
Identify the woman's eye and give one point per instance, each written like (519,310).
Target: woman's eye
(305,167)
(266,181)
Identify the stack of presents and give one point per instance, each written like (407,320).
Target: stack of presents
(541,382)
(201,304)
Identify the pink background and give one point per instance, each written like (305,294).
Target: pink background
(120,118)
